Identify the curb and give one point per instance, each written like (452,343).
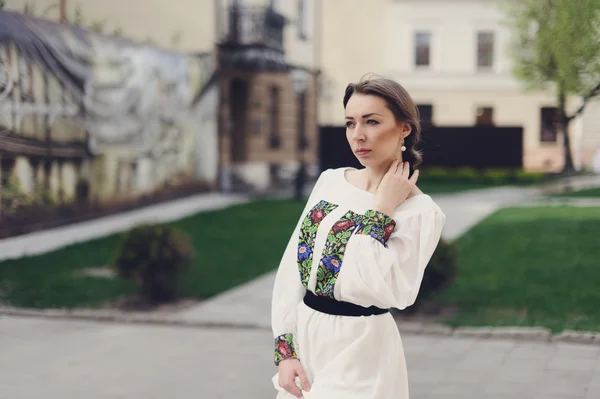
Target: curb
(118,318)
(415,328)
(517,333)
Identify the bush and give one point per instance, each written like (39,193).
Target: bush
(497,176)
(153,256)
(467,174)
(435,174)
(439,273)
(529,177)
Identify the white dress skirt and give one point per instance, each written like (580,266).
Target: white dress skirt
(343,250)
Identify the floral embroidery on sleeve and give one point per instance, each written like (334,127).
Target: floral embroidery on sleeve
(377,225)
(308,233)
(333,254)
(284,348)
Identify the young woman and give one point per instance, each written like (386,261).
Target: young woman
(359,249)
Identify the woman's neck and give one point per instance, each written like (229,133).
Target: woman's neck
(372,176)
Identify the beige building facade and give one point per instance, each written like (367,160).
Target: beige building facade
(452,57)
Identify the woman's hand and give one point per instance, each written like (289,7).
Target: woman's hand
(395,187)
(288,370)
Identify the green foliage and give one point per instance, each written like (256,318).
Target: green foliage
(434,174)
(2,3)
(556,44)
(490,176)
(529,177)
(154,256)
(439,273)
(496,175)
(467,174)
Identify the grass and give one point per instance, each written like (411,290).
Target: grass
(232,246)
(530,267)
(451,186)
(589,193)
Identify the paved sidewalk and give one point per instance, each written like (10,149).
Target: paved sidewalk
(72,360)
(52,239)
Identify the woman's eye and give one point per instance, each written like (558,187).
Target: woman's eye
(348,124)
(372,122)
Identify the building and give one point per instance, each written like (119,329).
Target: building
(93,120)
(130,100)
(268,73)
(452,57)
(267,66)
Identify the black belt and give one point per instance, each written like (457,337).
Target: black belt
(339,308)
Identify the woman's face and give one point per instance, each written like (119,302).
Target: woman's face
(372,131)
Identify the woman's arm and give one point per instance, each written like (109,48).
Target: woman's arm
(289,290)
(385,260)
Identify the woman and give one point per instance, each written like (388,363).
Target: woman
(359,249)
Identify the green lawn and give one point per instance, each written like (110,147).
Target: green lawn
(592,192)
(232,246)
(530,267)
(450,186)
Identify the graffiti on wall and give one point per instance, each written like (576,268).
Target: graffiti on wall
(89,121)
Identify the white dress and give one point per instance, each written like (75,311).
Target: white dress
(344,250)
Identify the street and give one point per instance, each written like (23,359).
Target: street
(62,359)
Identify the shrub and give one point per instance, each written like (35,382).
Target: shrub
(497,176)
(529,177)
(467,174)
(439,273)
(435,174)
(153,256)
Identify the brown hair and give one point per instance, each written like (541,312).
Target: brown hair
(400,103)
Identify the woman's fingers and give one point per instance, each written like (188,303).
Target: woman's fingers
(405,169)
(415,176)
(303,379)
(292,388)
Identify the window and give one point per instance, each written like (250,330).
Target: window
(274,137)
(548,124)
(425,115)
(301,141)
(484,116)
(422,49)
(485,50)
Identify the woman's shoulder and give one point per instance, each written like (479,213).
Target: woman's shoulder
(329,175)
(418,204)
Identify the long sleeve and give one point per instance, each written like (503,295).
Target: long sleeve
(289,289)
(385,259)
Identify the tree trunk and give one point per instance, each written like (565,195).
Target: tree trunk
(564,128)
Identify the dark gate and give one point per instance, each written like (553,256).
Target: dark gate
(475,146)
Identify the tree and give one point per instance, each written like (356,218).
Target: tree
(2,4)
(556,46)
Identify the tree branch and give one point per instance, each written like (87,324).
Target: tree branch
(593,93)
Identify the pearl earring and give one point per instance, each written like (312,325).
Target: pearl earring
(403,148)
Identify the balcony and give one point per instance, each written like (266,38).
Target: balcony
(254,26)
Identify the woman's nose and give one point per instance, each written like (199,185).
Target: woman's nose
(358,133)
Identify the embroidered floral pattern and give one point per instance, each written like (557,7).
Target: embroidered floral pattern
(284,348)
(308,233)
(333,254)
(377,225)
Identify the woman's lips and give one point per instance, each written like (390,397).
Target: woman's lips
(362,152)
